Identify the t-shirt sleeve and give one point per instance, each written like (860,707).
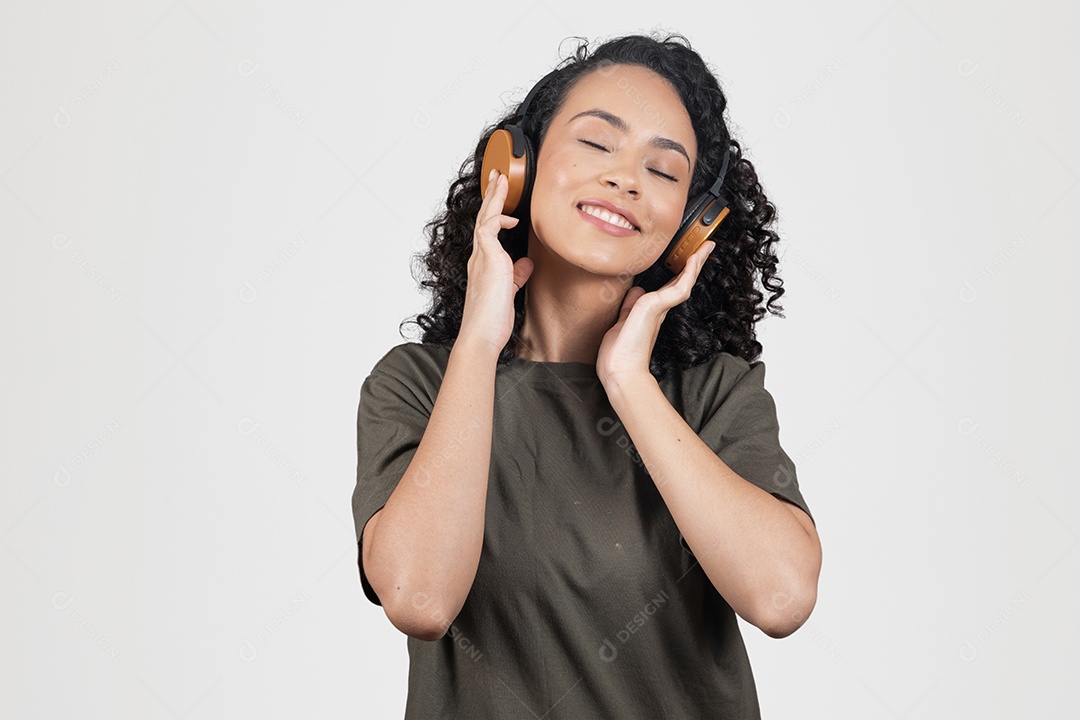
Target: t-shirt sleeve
(742,428)
(389,426)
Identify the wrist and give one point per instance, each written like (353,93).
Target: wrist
(627,386)
(477,350)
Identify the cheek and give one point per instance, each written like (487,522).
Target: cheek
(666,217)
(674,217)
(553,182)
(557,169)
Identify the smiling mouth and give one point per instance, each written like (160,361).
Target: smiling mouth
(607,216)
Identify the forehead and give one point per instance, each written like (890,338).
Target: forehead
(640,96)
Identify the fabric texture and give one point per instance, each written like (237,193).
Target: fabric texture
(587,601)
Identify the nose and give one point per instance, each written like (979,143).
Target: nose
(622,176)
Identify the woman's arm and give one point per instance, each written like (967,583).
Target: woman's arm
(422,549)
(759,554)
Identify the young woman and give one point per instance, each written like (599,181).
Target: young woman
(568,490)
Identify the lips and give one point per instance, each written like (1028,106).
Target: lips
(611,208)
(610,223)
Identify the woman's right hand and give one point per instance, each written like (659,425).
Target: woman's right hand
(494,279)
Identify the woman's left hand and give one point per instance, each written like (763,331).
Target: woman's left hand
(627,347)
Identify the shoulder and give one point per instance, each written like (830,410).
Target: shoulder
(717,376)
(414,363)
(697,391)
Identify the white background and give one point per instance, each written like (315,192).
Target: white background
(209,214)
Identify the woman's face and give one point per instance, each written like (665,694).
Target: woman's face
(621,143)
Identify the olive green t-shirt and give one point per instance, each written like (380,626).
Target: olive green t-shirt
(587,602)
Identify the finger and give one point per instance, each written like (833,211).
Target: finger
(491,218)
(493,187)
(684,282)
(693,270)
(498,198)
(491,226)
(489,193)
(699,257)
(523,270)
(629,300)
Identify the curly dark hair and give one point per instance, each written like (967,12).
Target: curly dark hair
(723,306)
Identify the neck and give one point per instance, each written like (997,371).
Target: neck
(568,310)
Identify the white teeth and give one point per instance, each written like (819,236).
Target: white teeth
(607,216)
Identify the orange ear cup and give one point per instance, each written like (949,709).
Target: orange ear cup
(499,155)
(696,235)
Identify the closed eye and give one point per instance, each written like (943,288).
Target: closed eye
(595,145)
(601,147)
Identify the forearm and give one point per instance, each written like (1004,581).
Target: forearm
(427,541)
(747,542)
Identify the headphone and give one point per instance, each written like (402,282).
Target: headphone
(511,152)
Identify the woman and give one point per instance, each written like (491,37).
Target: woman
(568,490)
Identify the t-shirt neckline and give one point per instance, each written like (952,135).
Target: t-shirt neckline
(545,369)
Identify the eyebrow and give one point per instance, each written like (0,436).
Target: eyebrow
(619,124)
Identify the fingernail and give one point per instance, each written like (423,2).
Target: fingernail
(491,175)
